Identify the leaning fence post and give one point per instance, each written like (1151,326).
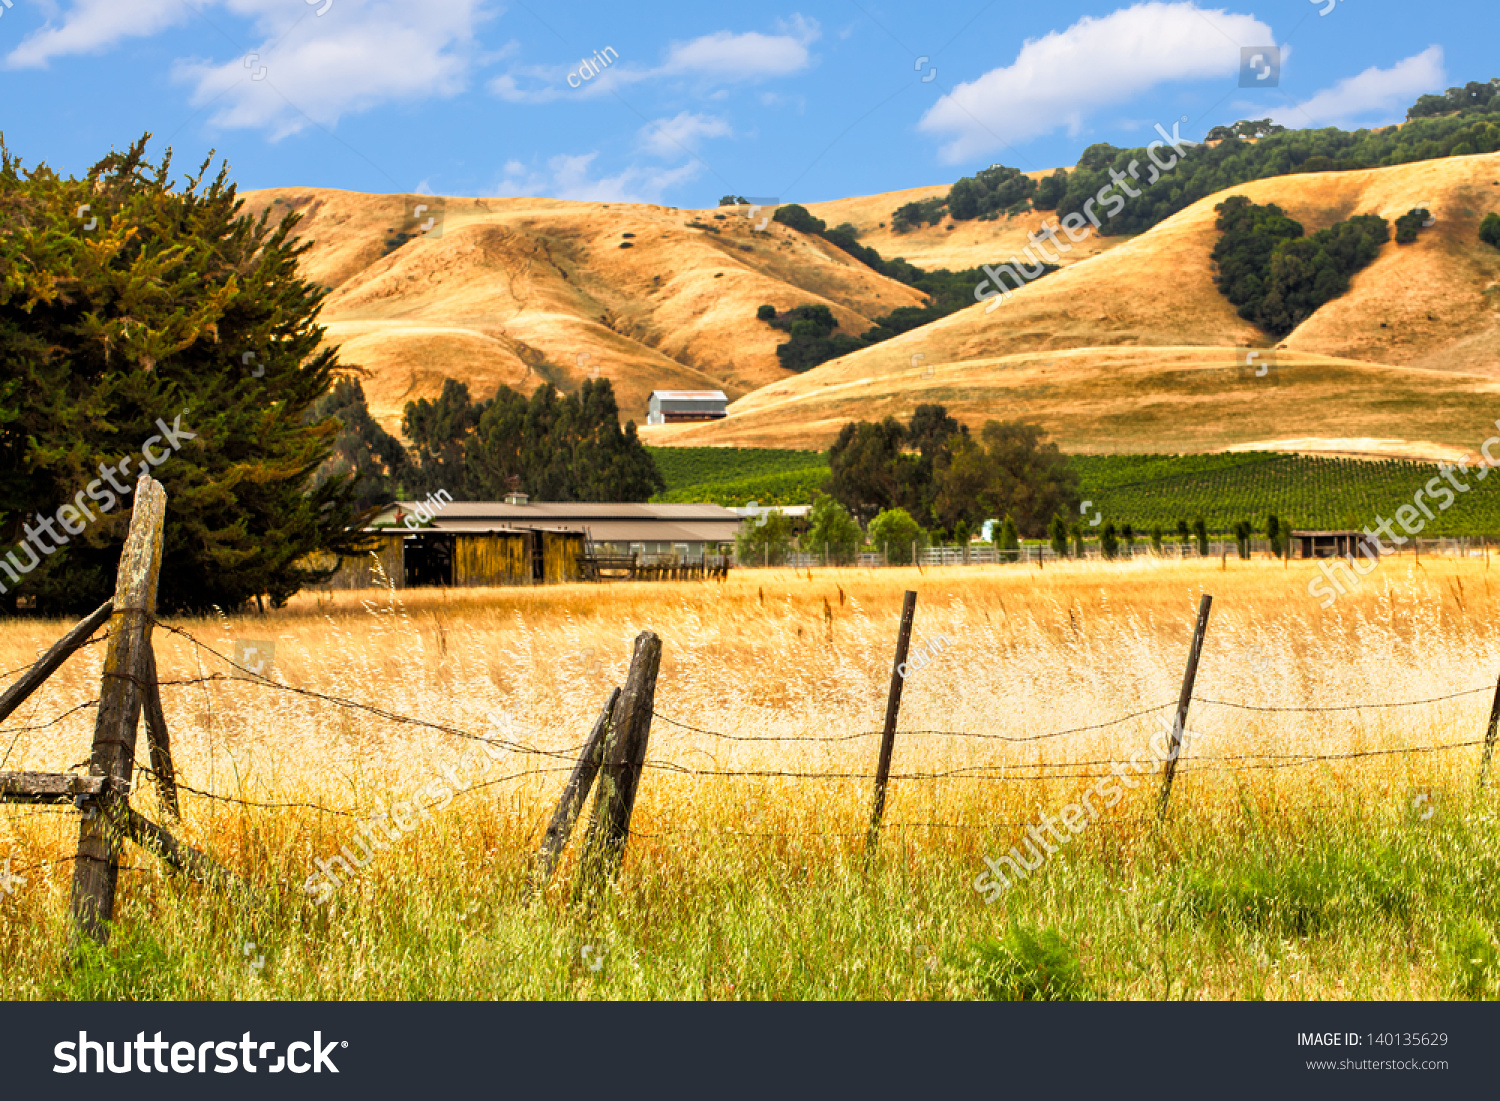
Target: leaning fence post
(624,758)
(892,711)
(1183,702)
(1489,737)
(120,697)
(575,794)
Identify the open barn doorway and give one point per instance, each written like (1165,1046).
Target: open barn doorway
(428,560)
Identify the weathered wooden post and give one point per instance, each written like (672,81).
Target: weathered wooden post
(892,712)
(624,758)
(575,793)
(1184,699)
(120,698)
(1489,737)
(158,738)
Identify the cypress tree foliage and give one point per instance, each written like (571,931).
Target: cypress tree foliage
(1057,535)
(125,300)
(372,456)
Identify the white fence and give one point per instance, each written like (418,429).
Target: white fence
(1033,553)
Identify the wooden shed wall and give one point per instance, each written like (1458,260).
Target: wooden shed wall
(359,572)
(561,552)
(491,560)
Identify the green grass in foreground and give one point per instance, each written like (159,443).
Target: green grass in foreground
(1145,491)
(1359,900)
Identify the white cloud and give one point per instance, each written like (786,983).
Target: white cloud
(681,135)
(1097,63)
(1373,97)
(92,26)
(316,68)
(567,177)
(750,56)
(719,58)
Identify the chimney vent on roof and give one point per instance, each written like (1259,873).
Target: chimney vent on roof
(516,498)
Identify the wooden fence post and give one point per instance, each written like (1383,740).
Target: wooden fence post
(1184,700)
(575,794)
(892,712)
(624,758)
(158,738)
(1489,737)
(120,697)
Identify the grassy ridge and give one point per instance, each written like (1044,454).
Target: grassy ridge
(1144,491)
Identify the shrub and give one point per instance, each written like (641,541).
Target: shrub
(1410,224)
(833,532)
(1489,230)
(896,534)
(1030,966)
(1109,541)
(1057,534)
(1200,533)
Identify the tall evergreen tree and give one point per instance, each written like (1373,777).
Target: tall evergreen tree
(124,301)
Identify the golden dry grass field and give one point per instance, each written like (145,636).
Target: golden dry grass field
(1306,855)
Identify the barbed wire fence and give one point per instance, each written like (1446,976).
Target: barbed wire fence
(615,752)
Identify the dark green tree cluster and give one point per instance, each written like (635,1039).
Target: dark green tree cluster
(1248,129)
(997,190)
(1010,470)
(127,300)
(1276,276)
(552,446)
(1467,122)
(363,451)
(1473,95)
(1410,224)
(1489,230)
(880,465)
(933,469)
(733,200)
(814,334)
(915,215)
(946,291)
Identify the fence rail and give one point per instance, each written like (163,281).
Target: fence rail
(1041,553)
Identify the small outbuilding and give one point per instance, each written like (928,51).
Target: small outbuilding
(1335,544)
(682,406)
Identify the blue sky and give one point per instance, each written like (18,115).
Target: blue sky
(804,102)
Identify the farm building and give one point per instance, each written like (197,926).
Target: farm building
(1334,544)
(678,406)
(517,542)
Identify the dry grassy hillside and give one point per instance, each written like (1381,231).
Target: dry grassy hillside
(950,244)
(516,291)
(1136,349)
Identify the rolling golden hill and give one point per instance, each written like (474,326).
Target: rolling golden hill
(1134,349)
(950,244)
(517,291)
